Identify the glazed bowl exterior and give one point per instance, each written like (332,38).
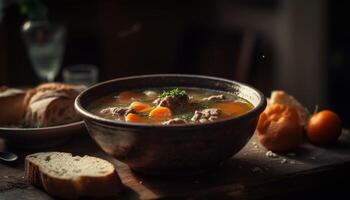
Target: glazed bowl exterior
(180,149)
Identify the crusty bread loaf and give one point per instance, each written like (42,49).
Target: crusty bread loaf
(12,106)
(281,97)
(48,104)
(51,104)
(68,89)
(50,110)
(71,177)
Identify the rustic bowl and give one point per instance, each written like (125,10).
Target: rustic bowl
(174,149)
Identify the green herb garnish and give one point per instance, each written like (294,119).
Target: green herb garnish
(202,105)
(174,92)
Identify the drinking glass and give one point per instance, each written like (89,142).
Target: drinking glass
(45,46)
(84,74)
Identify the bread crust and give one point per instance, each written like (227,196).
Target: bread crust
(103,186)
(44,101)
(281,97)
(70,90)
(15,103)
(12,107)
(50,110)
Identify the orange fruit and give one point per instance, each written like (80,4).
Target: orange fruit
(324,127)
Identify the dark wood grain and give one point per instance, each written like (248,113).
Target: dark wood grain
(248,175)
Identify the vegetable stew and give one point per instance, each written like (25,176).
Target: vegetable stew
(170,106)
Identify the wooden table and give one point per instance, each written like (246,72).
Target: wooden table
(248,175)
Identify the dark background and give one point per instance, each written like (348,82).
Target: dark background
(299,46)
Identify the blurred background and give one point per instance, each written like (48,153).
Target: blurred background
(299,46)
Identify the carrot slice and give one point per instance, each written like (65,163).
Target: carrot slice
(127,96)
(160,112)
(140,107)
(131,117)
(235,108)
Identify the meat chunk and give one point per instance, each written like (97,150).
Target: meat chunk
(117,111)
(122,111)
(174,121)
(206,115)
(175,103)
(215,98)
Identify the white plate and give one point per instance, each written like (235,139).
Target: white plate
(40,137)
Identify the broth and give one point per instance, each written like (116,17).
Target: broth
(167,105)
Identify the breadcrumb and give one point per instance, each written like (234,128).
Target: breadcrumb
(271,154)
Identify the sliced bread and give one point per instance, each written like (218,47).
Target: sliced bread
(71,177)
(51,104)
(12,106)
(68,89)
(50,108)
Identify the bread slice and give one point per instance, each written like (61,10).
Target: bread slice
(281,97)
(71,177)
(12,106)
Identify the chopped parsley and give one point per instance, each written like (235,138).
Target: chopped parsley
(202,105)
(174,92)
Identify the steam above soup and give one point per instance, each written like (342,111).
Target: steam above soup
(170,106)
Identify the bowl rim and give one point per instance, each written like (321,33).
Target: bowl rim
(86,114)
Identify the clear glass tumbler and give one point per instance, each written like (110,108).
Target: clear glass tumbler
(45,43)
(82,74)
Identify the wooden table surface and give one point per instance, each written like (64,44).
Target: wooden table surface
(250,174)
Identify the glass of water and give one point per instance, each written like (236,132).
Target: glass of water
(45,46)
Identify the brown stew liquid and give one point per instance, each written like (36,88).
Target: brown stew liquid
(170,106)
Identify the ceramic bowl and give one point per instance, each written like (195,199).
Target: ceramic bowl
(174,149)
